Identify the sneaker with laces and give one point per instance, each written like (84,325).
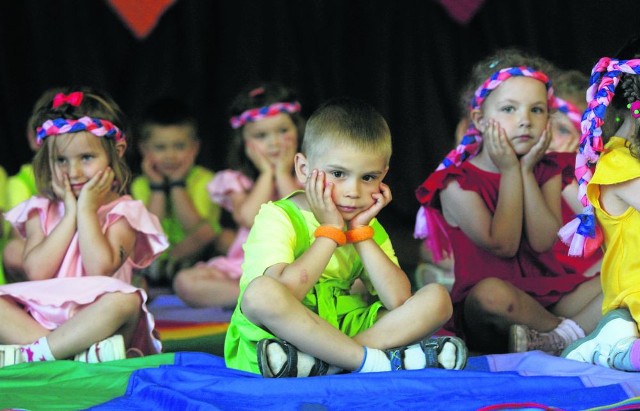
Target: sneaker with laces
(109,349)
(619,358)
(523,339)
(10,355)
(596,347)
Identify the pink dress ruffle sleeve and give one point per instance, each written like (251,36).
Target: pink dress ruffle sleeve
(52,302)
(222,186)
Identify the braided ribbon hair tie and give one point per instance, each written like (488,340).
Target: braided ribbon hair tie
(97,127)
(260,113)
(429,224)
(582,234)
(571,111)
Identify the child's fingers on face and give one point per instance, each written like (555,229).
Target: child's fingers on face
(385,191)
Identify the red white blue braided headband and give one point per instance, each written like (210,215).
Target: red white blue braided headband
(256,114)
(97,127)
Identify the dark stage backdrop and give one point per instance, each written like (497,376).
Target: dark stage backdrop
(407,57)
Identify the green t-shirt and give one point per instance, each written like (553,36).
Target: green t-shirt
(21,186)
(196,186)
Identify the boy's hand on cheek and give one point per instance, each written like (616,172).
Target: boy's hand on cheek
(380,200)
(149,170)
(319,193)
(180,173)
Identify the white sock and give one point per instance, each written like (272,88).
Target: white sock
(414,358)
(569,330)
(374,361)
(37,351)
(277,357)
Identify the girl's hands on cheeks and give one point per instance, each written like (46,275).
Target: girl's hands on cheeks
(380,200)
(97,191)
(149,169)
(258,159)
(497,144)
(320,201)
(284,163)
(529,160)
(62,189)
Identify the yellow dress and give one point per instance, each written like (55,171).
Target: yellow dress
(620,275)
(272,240)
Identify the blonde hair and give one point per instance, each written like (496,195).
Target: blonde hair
(346,121)
(95,104)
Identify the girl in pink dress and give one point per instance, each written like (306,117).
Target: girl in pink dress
(499,213)
(84,237)
(267,128)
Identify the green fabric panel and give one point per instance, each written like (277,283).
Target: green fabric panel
(69,385)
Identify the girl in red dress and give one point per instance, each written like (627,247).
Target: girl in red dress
(499,214)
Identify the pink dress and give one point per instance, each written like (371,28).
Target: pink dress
(222,186)
(52,302)
(540,275)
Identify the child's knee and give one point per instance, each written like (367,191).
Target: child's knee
(127,303)
(263,295)
(438,301)
(492,294)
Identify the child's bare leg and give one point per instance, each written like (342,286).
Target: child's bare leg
(12,260)
(205,286)
(18,327)
(583,305)
(420,316)
(493,305)
(112,313)
(269,304)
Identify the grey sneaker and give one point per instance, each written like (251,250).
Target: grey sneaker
(523,339)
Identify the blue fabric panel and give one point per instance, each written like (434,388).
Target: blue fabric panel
(201,381)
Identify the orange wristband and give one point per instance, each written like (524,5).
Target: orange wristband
(359,234)
(333,233)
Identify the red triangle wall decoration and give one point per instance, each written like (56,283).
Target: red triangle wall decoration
(141,16)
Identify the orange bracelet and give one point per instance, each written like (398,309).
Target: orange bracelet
(359,234)
(333,233)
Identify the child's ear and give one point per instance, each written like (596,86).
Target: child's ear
(384,173)
(196,145)
(478,120)
(301,165)
(121,147)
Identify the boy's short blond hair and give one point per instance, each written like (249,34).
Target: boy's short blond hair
(347,122)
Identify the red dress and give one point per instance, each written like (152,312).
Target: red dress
(539,274)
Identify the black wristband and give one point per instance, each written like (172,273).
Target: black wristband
(177,183)
(158,187)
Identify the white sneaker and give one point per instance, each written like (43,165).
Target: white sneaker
(109,349)
(596,347)
(10,355)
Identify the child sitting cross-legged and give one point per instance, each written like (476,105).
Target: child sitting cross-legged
(295,315)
